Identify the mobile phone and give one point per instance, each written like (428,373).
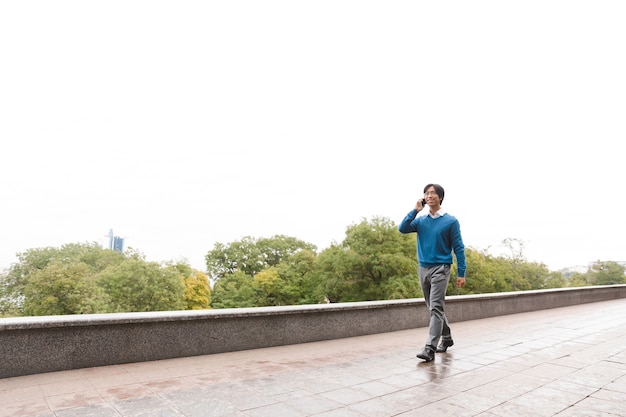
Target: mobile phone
(423,201)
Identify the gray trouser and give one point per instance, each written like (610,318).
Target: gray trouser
(434,282)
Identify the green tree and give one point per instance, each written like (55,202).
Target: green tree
(290,282)
(63,288)
(136,285)
(241,256)
(606,273)
(531,275)
(279,248)
(268,287)
(578,279)
(374,262)
(250,255)
(485,274)
(516,249)
(555,280)
(330,273)
(234,268)
(29,273)
(299,282)
(234,291)
(197,291)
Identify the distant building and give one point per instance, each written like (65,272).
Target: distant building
(116,243)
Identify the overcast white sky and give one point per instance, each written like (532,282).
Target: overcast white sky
(179,124)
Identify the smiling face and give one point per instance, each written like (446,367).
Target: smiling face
(431,196)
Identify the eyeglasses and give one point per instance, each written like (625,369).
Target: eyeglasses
(427,193)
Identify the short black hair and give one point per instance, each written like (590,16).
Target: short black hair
(438,189)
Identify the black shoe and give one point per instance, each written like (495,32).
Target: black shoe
(444,345)
(428,354)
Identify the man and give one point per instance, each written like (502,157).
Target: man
(438,234)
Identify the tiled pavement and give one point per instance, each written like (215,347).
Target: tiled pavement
(566,362)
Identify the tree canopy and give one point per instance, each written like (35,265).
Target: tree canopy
(373,262)
(85,278)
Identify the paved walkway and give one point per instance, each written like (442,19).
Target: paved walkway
(566,362)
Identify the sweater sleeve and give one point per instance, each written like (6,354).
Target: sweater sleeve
(459,250)
(408,225)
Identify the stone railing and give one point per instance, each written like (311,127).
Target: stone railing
(30,345)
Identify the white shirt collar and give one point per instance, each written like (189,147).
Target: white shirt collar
(439,213)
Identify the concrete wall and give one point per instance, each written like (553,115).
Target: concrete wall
(30,345)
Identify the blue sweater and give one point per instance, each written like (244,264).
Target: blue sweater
(436,239)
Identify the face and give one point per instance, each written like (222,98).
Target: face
(431,196)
